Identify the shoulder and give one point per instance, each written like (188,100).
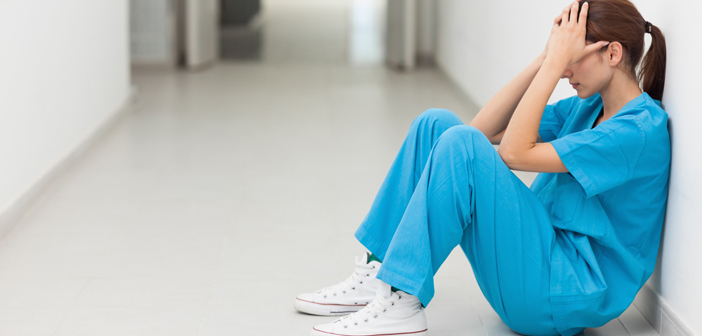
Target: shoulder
(645,114)
(642,127)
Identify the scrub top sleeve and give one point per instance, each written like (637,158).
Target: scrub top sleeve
(604,157)
(554,117)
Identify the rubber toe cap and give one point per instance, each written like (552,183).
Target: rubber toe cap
(306,297)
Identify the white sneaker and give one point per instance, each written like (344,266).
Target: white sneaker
(349,296)
(389,313)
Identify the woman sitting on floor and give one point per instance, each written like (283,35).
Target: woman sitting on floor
(567,253)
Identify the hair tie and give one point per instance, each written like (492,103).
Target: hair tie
(648,27)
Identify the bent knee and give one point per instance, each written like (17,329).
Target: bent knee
(462,132)
(464,136)
(439,115)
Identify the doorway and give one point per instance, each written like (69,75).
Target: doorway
(240,30)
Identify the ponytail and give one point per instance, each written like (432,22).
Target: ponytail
(619,20)
(652,73)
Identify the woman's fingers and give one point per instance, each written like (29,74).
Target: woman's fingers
(583,14)
(573,13)
(564,16)
(595,46)
(569,14)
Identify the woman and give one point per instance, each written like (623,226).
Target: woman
(567,253)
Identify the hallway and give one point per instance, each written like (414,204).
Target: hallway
(222,194)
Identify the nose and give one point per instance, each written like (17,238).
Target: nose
(567,73)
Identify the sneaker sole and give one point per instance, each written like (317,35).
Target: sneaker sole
(325,309)
(424,332)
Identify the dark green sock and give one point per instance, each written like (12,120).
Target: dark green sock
(373,257)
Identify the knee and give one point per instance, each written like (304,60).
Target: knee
(465,137)
(434,116)
(461,133)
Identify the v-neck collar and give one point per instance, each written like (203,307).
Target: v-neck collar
(597,115)
(600,109)
(593,117)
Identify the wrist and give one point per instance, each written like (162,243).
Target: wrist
(553,61)
(541,58)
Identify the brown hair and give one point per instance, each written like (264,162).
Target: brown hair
(620,21)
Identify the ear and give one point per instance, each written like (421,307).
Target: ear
(614,53)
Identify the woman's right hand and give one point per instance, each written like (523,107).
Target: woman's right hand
(567,41)
(556,21)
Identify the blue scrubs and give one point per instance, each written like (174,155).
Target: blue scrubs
(568,253)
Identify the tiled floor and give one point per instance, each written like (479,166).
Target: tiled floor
(224,193)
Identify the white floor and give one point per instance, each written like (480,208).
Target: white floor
(224,193)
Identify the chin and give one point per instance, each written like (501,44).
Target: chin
(585,94)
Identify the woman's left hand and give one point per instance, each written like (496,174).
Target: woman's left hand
(567,40)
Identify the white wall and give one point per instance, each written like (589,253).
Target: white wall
(63,73)
(483,44)
(678,276)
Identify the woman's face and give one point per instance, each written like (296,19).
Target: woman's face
(589,75)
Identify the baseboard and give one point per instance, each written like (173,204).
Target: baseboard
(13,213)
(659,314)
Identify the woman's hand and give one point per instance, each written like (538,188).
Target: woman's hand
(567,41)
(566,45)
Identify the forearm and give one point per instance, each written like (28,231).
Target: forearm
(521,133)
(495,115)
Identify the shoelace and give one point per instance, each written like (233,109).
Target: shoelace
(362,271)
(371,311)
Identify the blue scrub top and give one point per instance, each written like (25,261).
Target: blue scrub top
(608,210)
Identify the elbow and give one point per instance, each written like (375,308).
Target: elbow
(507,156)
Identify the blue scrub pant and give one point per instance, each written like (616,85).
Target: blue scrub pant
(447,187)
